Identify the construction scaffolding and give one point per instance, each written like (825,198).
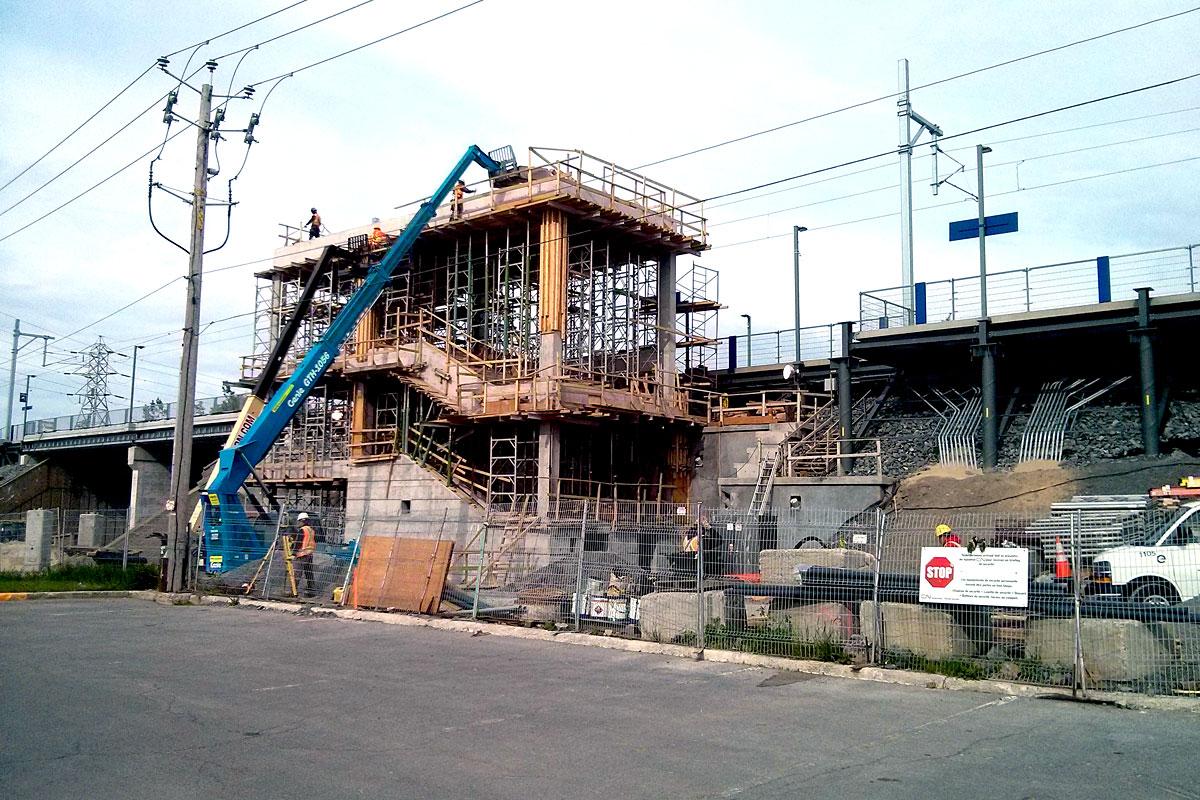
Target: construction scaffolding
(550,300)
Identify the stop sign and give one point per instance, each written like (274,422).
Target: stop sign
(939,572)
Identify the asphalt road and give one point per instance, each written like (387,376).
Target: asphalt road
(129,699)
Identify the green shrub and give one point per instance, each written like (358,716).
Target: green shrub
(81,577)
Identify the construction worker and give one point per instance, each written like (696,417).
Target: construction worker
(456,203)
(379,239)
(305,551)
(314,225)
(947,537)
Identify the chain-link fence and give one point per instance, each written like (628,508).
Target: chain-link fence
(1085,598)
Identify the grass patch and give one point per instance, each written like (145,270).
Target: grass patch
(950,667)
(74,578)
(777,640)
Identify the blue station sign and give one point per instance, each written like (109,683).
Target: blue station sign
(997,224)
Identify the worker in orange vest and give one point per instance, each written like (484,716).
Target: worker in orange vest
(305,551)
(947,537)
(456,204)
(379,239)
(314,225)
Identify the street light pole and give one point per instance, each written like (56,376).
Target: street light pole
(6,434)
(983,309)
(747,318)
(796,231)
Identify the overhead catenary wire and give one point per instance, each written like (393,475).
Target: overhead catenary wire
(938,82)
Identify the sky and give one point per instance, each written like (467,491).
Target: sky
(634,83)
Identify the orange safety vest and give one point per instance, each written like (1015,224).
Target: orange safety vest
(952,540)
(692,544)
(308,542)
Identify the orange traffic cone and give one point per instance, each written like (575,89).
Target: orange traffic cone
(1062,567)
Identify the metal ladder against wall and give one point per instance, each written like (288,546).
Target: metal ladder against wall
(767,464)
(1053,412)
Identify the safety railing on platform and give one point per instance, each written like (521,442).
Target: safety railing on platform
(817,342)
(1044,287)
(966,595)
(154,411)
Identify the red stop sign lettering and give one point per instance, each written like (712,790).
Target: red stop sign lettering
(939,572)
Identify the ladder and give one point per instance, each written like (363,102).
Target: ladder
(766,479)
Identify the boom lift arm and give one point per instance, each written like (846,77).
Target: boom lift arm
(230,537)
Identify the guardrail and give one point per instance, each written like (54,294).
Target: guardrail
(150,412)
(778,347)
(1048,286)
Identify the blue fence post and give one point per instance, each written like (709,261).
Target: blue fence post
(732,353)
(919,302)
(1103,280)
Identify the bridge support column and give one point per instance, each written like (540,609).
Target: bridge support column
(990,444)
(149,484)
(549,460)
(845,400)
(1143,335)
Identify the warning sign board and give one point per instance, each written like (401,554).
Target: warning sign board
(996,577)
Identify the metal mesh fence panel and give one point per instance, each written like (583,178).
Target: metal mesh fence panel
(1093,598)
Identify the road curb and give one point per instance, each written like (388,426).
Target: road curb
(922,680)
(92,594)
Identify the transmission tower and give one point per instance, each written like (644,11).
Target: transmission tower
(93,400)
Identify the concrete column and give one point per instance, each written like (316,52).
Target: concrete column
(845,398)
(549,460)
(552,290)
(148,486)
(667,376)
(40,527)
(990,444)
(1143,334)
(91,531)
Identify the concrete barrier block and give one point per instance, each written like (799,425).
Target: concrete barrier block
(816,621)
(779,566)
(40,527)
(91,531)
(1113,649)
(1180,638)
(918,629)
(667,615)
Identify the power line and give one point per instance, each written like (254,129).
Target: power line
(78,128)
(938,82)
(959,202)
(86,191)
(293,30)
(369,44)
(212,39)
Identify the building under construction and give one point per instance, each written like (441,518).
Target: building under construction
(541,342)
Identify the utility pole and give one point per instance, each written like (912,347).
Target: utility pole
(796,231)
(181,454)
(25,405)
(6,435)
(133,382)
(907,140)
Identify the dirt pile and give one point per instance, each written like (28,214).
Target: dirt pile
(1031,488)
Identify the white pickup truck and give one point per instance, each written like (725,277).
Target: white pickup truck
(1162,570)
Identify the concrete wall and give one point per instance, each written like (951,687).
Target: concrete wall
(403,498)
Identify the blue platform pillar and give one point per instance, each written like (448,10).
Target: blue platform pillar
(920,313)
(1103,280)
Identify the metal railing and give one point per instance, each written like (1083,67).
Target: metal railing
(155,411)
(1048,286)
(817,342)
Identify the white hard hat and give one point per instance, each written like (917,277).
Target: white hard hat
(301,517)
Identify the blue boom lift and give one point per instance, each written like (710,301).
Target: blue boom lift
(230,537)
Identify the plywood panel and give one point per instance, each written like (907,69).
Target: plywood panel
(401,573)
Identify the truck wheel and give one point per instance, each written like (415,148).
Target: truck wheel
(1154,594)
(810,543)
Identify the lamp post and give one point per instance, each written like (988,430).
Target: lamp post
(747,318)
(796,231)
(979,151)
